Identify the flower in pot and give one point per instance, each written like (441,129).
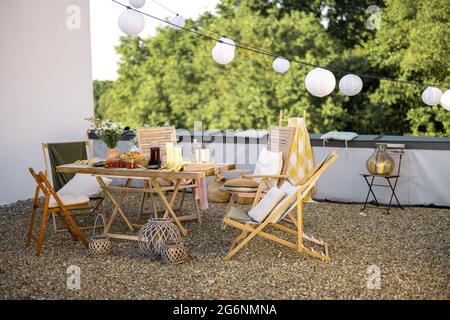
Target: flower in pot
(109,132)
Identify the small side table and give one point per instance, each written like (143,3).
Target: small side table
(392,180)
(391,183)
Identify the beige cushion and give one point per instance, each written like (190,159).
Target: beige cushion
(68,200)
(267,204)
(83,184)
(241,185)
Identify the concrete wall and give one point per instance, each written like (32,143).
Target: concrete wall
(45,84)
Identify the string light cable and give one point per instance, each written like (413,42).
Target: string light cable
(223,40)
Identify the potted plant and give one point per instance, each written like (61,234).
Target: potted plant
(109,132)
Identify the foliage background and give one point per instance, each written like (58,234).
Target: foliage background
(172,76)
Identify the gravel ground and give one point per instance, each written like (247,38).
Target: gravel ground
(410,247)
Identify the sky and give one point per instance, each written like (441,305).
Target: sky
(105,32)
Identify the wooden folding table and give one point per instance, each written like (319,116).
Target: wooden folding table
(150,186)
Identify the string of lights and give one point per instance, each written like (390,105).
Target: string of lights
(224,53)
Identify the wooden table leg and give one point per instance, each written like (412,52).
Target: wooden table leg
(116,204)
(172,198)
(168,207)
(197,208)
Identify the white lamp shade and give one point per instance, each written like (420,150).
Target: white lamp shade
(350,85)
(445,100)
(137,3)
(431,96)
(320,82)
(177,22)
(131,22)
(223,53)
(281,65)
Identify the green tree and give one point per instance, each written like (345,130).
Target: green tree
(411,45)
(100,89)
(172,76)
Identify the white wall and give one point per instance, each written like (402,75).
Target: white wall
(424,177)
(45,85)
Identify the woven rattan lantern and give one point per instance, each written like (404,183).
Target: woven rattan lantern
(174,252)
(155,234)
(99,244)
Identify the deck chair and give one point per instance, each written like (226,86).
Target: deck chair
(271,211)
(159,136)
(55,204)
(254,184)
(58,153)
(250,184)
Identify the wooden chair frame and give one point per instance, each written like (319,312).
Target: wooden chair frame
(62,211)
(249,231)
(266,181)
(90,209)
(160,135)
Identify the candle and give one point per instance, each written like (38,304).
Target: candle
(178,154)
(204,155)
(169,152)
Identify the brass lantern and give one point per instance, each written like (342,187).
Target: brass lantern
(380,162)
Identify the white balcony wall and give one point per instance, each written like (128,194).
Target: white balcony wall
(45,85)
(424,177)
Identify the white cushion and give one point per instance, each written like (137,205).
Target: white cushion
(269,163)
(83,184)
(291,196)
(266,205)
(68,200)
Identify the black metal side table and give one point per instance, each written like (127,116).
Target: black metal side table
(391,180)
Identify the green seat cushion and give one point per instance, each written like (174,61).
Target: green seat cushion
(240,215)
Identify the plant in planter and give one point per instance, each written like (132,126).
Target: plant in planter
(109,132)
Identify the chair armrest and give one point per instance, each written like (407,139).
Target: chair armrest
(275,176)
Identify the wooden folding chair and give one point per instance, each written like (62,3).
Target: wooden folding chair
(50,165)
(61,210)
(250,228)
(158,137)
(280,140)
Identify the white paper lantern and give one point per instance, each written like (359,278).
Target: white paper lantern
(431,96)
(320,82)
(350,85)
(445,100)
(225,51)
(177,22)
(137,3)
(131,22)
(222,54)
(281,65)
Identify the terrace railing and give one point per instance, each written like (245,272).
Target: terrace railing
(425,177)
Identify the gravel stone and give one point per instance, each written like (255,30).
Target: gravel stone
(411,247)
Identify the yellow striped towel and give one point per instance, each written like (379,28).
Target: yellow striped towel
(301,159)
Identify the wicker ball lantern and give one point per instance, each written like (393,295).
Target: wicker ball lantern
(155,234)
(99,245)
(174,252)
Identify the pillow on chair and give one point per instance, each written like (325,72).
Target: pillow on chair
(68,200)
(241,185)
(291,197)
(267,204)
(269,163)
(83,184)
